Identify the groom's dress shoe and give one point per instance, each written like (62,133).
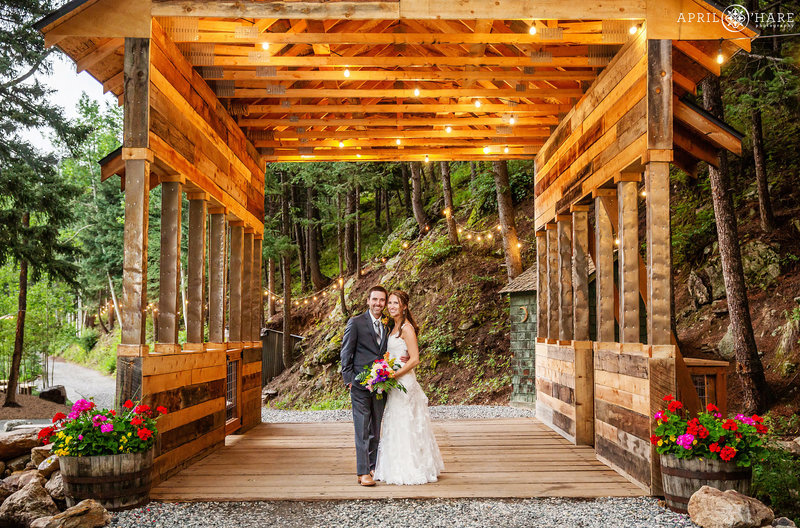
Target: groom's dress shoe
(366,480)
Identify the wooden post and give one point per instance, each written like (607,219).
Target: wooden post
(604,266)
(196,263)
(170,278)
(235,304)
(565,328)
(580,271)
(628,257)
(541,284)
(257,298)
(659,154)
(247,282)
(138,157)
(216,275)
(553,301)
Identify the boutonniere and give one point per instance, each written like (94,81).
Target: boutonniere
(384,320)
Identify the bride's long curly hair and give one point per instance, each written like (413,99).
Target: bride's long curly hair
(405,314)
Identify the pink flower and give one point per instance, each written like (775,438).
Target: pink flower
(73,415)
(685,441)
(659,415)
(107,428)
(80,437)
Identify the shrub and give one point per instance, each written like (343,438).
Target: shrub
(89,339)
(776,481)
(435,250)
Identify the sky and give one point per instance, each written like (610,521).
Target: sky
(68,87)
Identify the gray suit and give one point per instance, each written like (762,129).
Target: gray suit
(360,347)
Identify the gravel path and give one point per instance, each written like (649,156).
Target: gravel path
(83,382)
(443,412)
(404,513)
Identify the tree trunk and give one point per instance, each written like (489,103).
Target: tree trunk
(269,269)
(99,316)
(404,168)
(386,200)
(759,159)
(358,229)
(505,211)
(749,367)
(299,240)
(286,350)
(449,213)
(340,247)
(183,297)
(350,233)
(318,280)
(378,209)
(473,172)
(114,299)
(19,337)
(416,197)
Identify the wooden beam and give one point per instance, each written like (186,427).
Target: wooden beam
(628,258)
(405,61)
(447,140)
(659,94)
(196,264)
(136,123)
(694,146)
(580,272)
(397,122)
(100,53)
(516,132)
(698,56)
(420,108)
(553,300)
(604,269)
(706,127)
(257,297)
(235,274)
(565,322)
(216,277)
(399,75)
(169,288)
(247,290)
(418,154)
(541,285)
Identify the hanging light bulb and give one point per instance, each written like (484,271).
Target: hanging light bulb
(532,30)
(498,227)
(427,159)
(469,236)
(448,129)
(405,245)
(519,245)
(341,144)
(459,230)
(416,92)
(512,120)
(485,150)
(644,194)
(397,141)
(477,103)
(346,72)
(489,236)
(616,241)
(634,28)
(265,45)
(505,150)
(720,57)
(358,155)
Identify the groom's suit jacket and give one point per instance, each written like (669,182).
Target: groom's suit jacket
(360,347)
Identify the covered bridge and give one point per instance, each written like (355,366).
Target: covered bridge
(592,90)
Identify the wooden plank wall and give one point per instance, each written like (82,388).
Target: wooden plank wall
(629,381)
(602,135)
(192,386)
(193,133)
(563,389)
(251,388)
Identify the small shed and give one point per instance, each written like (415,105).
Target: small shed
(522,300)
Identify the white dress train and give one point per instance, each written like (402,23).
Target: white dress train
(408,452)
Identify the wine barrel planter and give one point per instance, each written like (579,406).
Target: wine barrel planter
(682,477)
(118,482)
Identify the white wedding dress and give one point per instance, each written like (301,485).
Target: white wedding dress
(408,452)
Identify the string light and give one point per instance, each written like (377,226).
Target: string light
(427,159)
(512,120)
(448,129)
(346,72)
(532,30)
(644,194)
(485,150)
(265,45)
(358,155)
(634,28)
(477,103)
(720,57)
(505,150)
(397,141)
(341,144)
(416,92)
(616,241)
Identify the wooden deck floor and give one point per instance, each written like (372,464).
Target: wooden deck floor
(316,461)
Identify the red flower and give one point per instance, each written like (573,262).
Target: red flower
(674,406)
(654,439)
(727,453)
(757,419)
(59,416)
(702,432)
(711,408)
(144,433)
(141,409)
(730,425)
(762,429)
(161,409)
(714,448)
(668,398)
(137,421)
(46,433)
(113,412)
(128,404)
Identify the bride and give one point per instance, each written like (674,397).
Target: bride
(407,453)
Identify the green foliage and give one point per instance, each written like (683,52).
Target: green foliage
(484,190)
(434,250)
(89,339)
(692,220)
(438,343)
(776,481)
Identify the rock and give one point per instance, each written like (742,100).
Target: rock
(2,467)
(713,270)
(720,307)
(268,394)
(466,325)
(783,521)
(18,463)
(11,424)
(49,466)
(55,394)
(5,491)
(55,487)
(309,371)
(17,443)
(761,263)
(27,505)
(85,514)
(712,508)
(39,453)
(20,479)
(698,290)
(789,445)
(725,346)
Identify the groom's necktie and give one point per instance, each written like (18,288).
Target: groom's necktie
(376,324)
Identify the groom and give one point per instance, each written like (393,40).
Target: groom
(364,341)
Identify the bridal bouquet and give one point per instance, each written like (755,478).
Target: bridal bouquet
(379,376)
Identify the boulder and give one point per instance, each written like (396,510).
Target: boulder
(5,491)
(720,307)
(716,283)
(789,445)
(48,466)
(10,425)
(39,453)
(27,505)
(725,346)
(2,467)
(466,325)
(55,487)
(783,521)
(760,263)
(85,514)
(16,443)
(20,479)
(712,508)
(55,394)
(18,463)
(698,291)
